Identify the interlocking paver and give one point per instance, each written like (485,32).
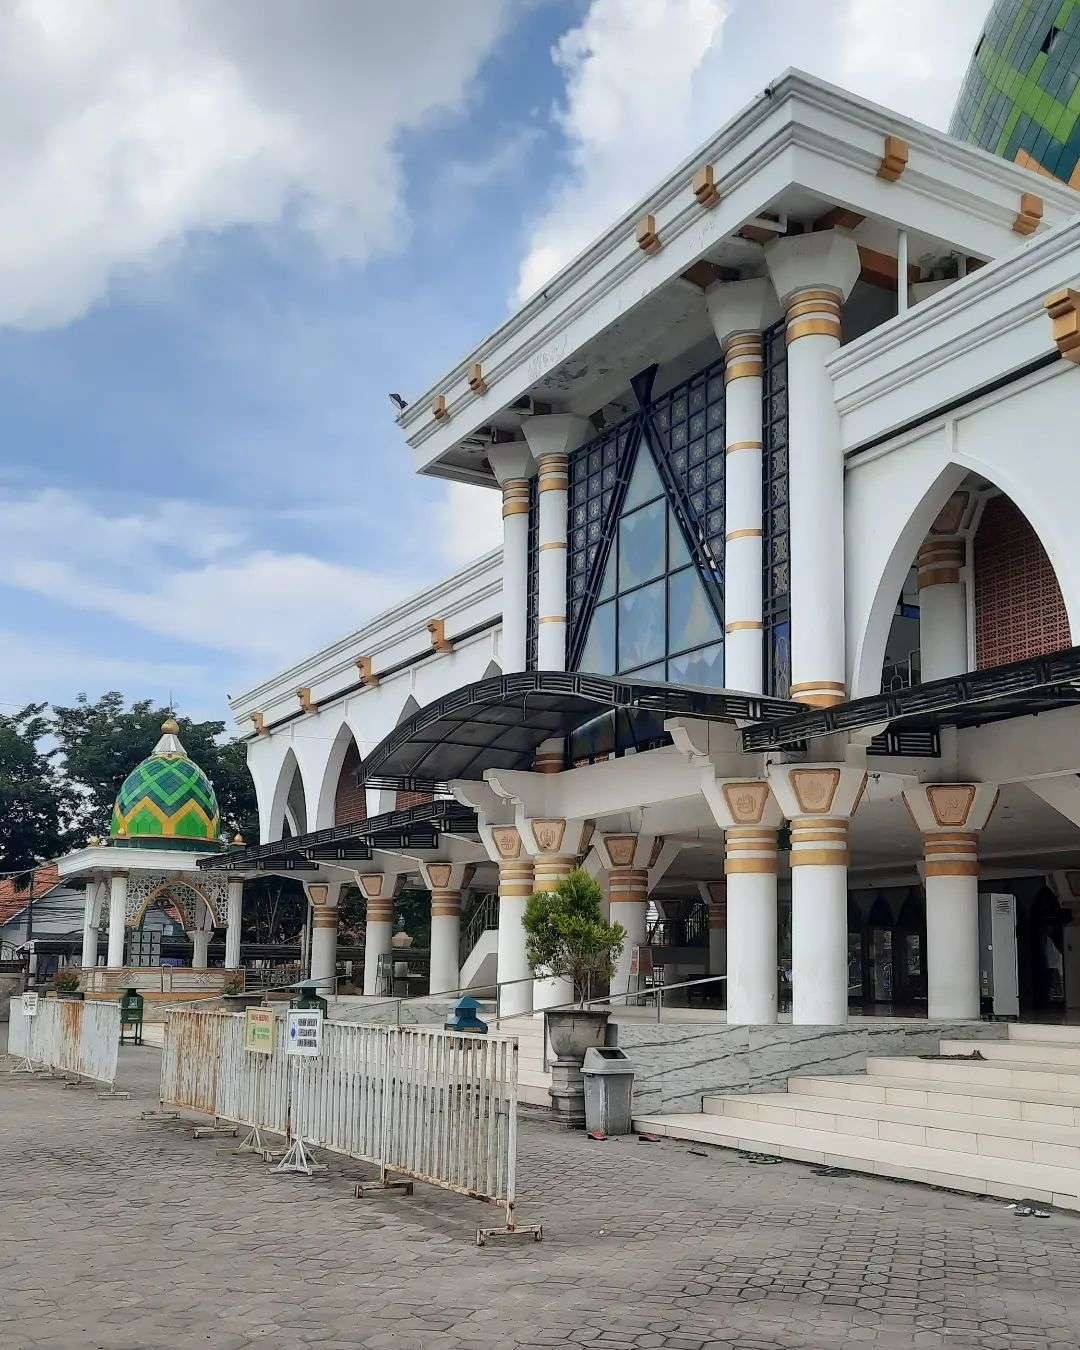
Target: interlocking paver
(117,1232)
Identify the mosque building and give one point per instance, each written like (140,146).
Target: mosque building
(778,644)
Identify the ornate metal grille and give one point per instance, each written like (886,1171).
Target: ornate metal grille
(685,428)
(533,583)
(776,557)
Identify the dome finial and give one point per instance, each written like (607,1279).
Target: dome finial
(170,727)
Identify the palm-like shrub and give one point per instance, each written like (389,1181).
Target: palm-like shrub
(566,936)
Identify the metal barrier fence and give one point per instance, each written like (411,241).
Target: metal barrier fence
(435,1106)
(74,1037)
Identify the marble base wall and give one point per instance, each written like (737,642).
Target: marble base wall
(678,1064)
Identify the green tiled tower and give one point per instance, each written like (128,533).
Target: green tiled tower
(166,801)
(1020,97)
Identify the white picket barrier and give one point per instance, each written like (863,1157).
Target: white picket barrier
(434,1106)
(76,1037)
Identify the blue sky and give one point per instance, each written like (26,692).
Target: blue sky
(229,232)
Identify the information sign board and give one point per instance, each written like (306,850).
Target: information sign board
(29,1005)
(304,1032)
(259,1031)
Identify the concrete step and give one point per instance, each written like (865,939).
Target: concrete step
(977,1173)
(983,1099)
(1058,1054)
(1038,1031)
(1002,1073)
(957,1131)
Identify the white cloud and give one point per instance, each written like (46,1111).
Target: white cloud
(174,570)
(125,126)
(646,81)
(468,522)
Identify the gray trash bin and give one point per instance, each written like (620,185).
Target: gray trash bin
(609,1090)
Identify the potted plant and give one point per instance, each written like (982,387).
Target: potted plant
(233,983)
(567,937)
(66,983)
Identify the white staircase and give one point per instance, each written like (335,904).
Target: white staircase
(1007,1124)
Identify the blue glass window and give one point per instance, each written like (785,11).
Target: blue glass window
(642,544)
(598,658)
(641,626)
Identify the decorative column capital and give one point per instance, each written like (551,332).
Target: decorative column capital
(939,562)
(737,803)
(554,434)
(442,876)
(948,808)
(740,309)
(819,801)
(617,851)
(510,461)
(825,261)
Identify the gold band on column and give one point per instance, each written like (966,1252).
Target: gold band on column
(548,761)
(324,917)
(819,841)
(551,473)
(515,497)
(742,356)
(515,879)
(939,562)
(819,693)
(813,312)
(743,445)
(750,849)
(445,904)
(551,868)
(628,885)
(380,911)
(953,853)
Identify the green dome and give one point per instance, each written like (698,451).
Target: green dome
(166,800)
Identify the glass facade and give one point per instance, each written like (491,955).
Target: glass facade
(1020,98)
(776,578)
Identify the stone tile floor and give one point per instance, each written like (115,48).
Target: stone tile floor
(121,1233)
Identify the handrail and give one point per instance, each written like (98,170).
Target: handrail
(657,989)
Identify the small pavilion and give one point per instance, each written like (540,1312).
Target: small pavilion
(165,819)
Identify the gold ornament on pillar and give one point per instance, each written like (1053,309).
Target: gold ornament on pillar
(507,842)
(815,789)
(746,801)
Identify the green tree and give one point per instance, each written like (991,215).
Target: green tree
(101,742)
(566,936)
(32,802)
(275,910)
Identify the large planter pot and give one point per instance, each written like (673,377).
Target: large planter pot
(572,1031)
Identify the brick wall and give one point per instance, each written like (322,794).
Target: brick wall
(1019,612)
(350,800)
(406,799)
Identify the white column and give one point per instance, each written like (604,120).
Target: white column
(813,274)
(235,918)
(515,887)
(513,467)
(91,900)
(551,437)
(200,939)
(716,898)
(819,801)
(445,940)
(942,609)
(950,816)
(324,898)
(751,925)
(117,918)
(378,891)
(629,893)
(739,311)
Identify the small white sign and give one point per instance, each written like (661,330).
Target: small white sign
(304,1033)
(29,1005)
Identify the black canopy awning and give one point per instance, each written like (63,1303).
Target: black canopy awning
(414,827)
(1020,689)
(500,723)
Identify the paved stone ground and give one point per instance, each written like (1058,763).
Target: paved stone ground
(121,1233)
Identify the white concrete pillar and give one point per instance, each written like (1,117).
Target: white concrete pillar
(445,940)
(234,921)
(515,887)
(378,891)
(513,466)
(942,609)
(813,274)
(117,918)
(323,898)
(751,925)
(625,859)
(716,899)
(740,310)
(819,801)
(91,900)
(200,941)
(950,816)
(550,438)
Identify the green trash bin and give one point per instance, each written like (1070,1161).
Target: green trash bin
(131,1016)
(307,998)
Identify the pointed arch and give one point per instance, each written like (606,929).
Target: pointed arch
(341,801)
(289,804)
